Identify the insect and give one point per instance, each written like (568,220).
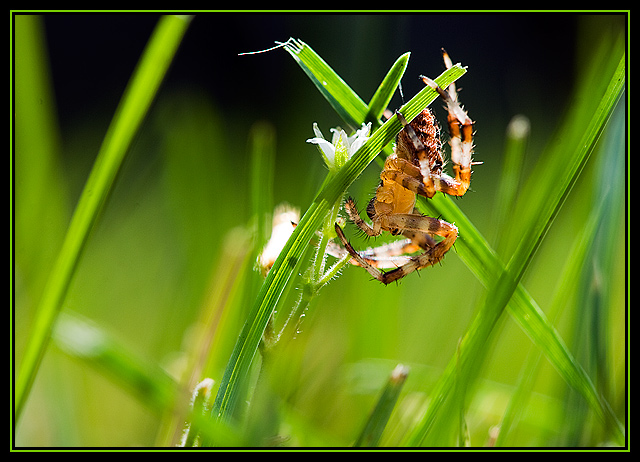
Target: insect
(415,167)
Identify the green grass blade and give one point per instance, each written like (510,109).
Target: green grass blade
(379,417)
(593,338)
(85,341)
(380,100)
(549,208)
(340,96)
(40,191)
(484,262)
(148,382)
(262,142)
(511,173)
(133,107)
(263,153)
(282,270)
(556,191)
(503,282)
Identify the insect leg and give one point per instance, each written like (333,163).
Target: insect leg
(432,255)
(461,137)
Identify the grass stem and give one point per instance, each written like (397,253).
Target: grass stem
(129,115)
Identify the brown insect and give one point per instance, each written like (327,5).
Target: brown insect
(415,167)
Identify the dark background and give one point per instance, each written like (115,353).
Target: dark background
(511,58)
(509,53)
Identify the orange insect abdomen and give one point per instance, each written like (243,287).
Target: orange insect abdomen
(392,198)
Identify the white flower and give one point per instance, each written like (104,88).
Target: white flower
(342,147)
(285,219)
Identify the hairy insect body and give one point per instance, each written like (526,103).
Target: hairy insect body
(400,179)
(427,157)
(416,167)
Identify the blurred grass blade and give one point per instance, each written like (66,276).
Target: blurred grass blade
(262,145)
(593,330)
(475,251)
(503,282)
(387,88)
(281,272)
(148,382)
(131,111)
(220,316)
(39,193)
(561,184)
(379,417)
(200,402)
(568,278)
(556,187)
(340,96)
(82,339)
(517,137)
(263,153)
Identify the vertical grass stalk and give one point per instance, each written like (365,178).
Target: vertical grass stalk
(377,421)
(129,115)
(281,272)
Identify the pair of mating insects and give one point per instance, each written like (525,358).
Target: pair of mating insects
(415,167)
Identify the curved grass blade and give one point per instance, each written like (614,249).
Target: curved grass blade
(504,282)
(282,270)
(569,278)
(133,107)
(381,98)
(548,211)
(477,254)
(81,339)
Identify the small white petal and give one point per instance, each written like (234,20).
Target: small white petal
(357,144)
(337,134)
(364,130)
(328,149)
(317,131)
(342,147)
(361,137)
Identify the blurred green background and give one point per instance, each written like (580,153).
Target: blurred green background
(180,209)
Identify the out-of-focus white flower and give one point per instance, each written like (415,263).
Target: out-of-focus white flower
(285,219)
(342,147)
